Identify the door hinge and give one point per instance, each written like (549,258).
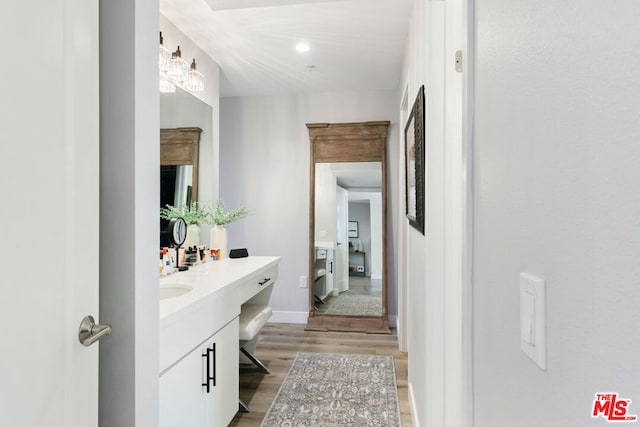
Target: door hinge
(458,61)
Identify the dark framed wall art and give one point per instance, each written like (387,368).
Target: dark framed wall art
(352,229)
(415,163)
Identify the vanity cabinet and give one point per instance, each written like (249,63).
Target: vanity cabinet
(200,323)
(202,388)
(323,278)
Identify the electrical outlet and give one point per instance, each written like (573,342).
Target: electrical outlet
(303,281)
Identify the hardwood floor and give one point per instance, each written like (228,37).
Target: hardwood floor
(277,348)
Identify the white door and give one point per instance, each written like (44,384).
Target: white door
(49,140)
(342,244)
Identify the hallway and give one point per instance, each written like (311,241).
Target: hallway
(277,348)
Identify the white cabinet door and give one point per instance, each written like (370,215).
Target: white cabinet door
(223,404)
(331,266)
(341,273)
(184,398)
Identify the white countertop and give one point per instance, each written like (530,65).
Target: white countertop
(210,277)
(219,288)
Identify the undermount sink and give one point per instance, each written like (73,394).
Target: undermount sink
(172,291)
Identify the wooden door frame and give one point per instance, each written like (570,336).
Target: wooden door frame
(180,147)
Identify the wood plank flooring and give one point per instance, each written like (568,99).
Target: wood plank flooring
(277,348)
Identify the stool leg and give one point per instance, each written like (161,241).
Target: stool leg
(255,361)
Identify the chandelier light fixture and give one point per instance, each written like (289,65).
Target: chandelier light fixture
(176,72)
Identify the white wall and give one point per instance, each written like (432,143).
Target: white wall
(433,274)
(375,216)
(265,166)
(325,206)
(129,221)
(417,322)
(556,195)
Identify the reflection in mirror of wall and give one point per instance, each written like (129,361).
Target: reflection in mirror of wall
(348,170)
(348,264)
(176,185)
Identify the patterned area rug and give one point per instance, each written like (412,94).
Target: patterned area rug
(362,305)
(333,390)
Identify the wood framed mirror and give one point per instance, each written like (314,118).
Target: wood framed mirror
(179,150)
(348,275)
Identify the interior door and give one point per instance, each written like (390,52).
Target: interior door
(49,128)
(342,244)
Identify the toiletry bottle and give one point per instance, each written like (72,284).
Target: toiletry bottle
(165,261)
(172,261)
(169,264)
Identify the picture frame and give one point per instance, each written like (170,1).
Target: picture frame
(414,136)
(352,229)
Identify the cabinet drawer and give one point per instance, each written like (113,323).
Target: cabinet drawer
(257,284)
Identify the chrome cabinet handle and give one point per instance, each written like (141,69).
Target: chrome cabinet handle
(89,332)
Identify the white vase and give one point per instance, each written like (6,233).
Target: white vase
(218,239)
(193,236)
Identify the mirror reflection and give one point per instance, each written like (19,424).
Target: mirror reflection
(176,185)
(176,189)
(185,135)
(348,238)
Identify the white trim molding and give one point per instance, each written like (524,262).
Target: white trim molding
(299,317)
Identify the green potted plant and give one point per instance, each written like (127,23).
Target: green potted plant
(218,217)
(194,215)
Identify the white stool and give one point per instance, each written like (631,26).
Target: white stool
(252,318)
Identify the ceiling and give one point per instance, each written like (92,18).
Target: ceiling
(354,44)
(363,176)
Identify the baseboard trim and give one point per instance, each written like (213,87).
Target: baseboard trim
(393,320)
(412,404)
(299,317)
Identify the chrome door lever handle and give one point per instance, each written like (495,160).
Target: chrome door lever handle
(89,332)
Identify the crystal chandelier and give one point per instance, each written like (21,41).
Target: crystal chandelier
(175,71)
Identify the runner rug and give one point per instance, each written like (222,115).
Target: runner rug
(336,390)
(353,304)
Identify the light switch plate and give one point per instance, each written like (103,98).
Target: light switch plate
(303,281)
(533,340)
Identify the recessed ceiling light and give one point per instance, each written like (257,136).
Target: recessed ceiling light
(303,47)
